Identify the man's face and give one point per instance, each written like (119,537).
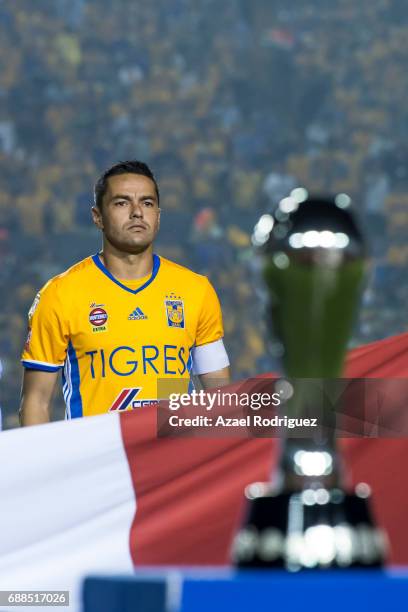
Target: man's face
(130,215)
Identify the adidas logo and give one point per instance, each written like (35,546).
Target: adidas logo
(137,315)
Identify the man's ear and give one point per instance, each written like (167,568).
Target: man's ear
(97,217)
(158,219)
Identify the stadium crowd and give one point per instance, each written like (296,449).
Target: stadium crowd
(232,108)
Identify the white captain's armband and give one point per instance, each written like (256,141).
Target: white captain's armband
(209,357)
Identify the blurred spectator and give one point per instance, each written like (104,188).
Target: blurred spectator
(232,108)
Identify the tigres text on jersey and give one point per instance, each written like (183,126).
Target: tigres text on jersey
(116,341)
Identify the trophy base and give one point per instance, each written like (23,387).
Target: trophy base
(317,528)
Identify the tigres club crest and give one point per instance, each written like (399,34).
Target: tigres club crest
(175,311)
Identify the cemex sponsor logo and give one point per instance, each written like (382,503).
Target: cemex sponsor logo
(126,399)
(137,315)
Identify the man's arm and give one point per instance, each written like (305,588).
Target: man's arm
(210,359)
(36,394)
(218,378)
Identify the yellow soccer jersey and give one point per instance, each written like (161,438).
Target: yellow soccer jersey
(115,343)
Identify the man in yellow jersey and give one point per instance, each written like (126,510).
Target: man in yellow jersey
(121,322)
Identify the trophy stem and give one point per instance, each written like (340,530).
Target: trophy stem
(305,465)
(313,461)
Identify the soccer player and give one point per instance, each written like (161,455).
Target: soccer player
(124,324)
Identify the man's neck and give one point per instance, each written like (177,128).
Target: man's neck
(127,266)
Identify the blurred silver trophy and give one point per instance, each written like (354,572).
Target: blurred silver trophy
(313,258)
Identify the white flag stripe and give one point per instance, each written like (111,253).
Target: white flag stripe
(67,504)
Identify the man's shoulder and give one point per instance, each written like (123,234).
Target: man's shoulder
(180,273)
(75,274)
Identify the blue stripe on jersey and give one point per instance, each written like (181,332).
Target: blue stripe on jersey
(66,388)
(191,385)
(190,359)
(74,400)
(40,366)
(156,265)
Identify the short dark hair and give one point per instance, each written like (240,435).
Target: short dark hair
(132,166)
